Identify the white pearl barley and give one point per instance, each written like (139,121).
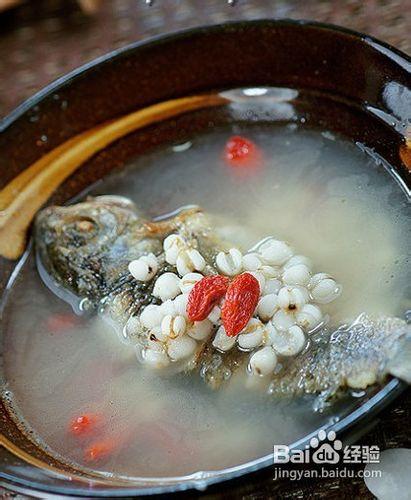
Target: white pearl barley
(189,280)
(298,274)
(298,259)
(167,286)
(151,316)
(267,305)
(155,359)
(272,286)
(288,342)
(222,341)
(260,278)
(173,245)
(252,335)
(263,361)
(275,252)
(201,330)
(269,334)
(144,268)
(283,320)
(248,341)
(181,348)
(252,262)
(229,263)
(291,298)
(157,332)
(309,317)
(317,278)
(173,327)
(168,307)
(324,289)
(215,315)
(180,304)
(270,271)
(132,327)
(188,261)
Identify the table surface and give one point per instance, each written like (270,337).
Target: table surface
(43,40)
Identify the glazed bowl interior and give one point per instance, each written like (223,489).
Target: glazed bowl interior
(322,77)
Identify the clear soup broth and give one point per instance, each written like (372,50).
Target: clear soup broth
(322,194)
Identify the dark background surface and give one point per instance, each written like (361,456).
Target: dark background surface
(44,39)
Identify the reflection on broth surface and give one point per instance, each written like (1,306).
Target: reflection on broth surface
(321,194)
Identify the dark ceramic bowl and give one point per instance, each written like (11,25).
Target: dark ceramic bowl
(347,83)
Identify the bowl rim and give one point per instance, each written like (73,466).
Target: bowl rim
(385,48)
(343,427)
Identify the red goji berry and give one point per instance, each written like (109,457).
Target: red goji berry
(240,302)
(100,450)
(82,424)
(204,295)
(60,322)
(239,149)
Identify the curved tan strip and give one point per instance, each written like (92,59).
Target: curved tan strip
(22,197)
(16,185)
(405,153)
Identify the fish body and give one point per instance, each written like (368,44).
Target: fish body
(86,248)
(355,356)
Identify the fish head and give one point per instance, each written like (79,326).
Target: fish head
(83,247)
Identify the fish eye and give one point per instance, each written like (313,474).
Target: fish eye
(80,230)
(84,226)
